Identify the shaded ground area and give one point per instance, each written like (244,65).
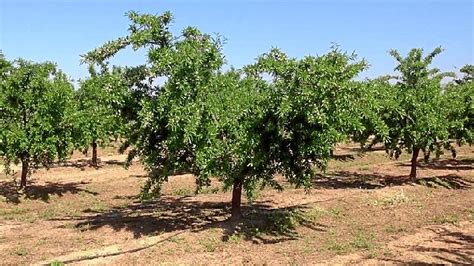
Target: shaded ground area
(346,179)
(362,210)
(186,213)
(445,164)
(9,190)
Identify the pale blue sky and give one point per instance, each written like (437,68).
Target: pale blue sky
(62,30)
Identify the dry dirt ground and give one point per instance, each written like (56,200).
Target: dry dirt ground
(362,210)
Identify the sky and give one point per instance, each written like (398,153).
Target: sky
(60,31)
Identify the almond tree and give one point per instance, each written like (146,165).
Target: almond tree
(459,99)
(234,125)
(419,119)
(35,115)
(98,118)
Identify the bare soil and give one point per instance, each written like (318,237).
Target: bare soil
(363,210)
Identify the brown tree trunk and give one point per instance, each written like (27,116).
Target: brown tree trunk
(426,156)
(414,159)
(24,172)
(236,199)
(94,153)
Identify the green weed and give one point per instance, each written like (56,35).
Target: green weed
(20,251)
(393,229)
(210,244)
(315,213)
(235,238)
(339,248)
(332,244)
(362,241)
(11,214)
(447,219)
(183,192)
(393,200)
(209,190)
(336,212)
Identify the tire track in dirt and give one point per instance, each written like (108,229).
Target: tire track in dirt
(112,252)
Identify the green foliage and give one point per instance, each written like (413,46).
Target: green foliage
(414,113)
(36,113)
(20,251)
(210,244)
(459,99)
(376,102)
(285,221)
(165,122)
(235,125)
(447,219)
(4,66)
(99,100)
(362,241)
(183,192)
(310,109)
(394,200)
(394,229)
(334,244)
(336,211)
(56,263)
(419,121)
(468,72)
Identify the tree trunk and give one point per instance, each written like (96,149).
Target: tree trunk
(414,159)
(453,152)
(426,156)
(236,200)
(94,153)
(24,172)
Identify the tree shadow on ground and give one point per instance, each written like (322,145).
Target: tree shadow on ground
(264,225)
(261,223)
(362,150)
(114,162)
(344,157)
(140,176)
(33,191)
(447,181)
(444,164)
(82,164)
(346,179)
(353,153)
(455,248)
(127,197)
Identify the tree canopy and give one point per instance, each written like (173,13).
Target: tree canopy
(459,99)
(98,103)
(36,111)
(183,109)
(234,125)
(412,110)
